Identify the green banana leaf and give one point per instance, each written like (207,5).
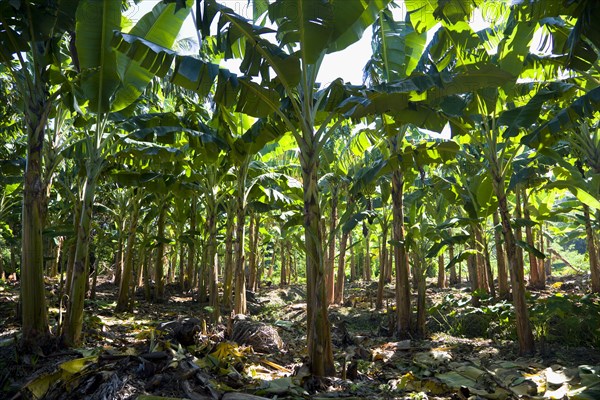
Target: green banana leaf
(160,26)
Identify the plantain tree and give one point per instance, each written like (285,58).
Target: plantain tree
(315,28)
(31,33)
(306,31)
(109,82)
(496,118)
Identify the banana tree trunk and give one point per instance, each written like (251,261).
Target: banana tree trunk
(159,275)
(341,270)
(284,267)
(400,257)
(331,251)
(382,266)
(352,260)
(319,331)
(592,250)
(548,260)
(524,332)
(147,261)
(189,272)
(181,260)
(421,274)
(480,266)
(367,264)
(119,258)
(252,254)
(73,245)
(472,273)
(488,267)
(534,273)
(441,280)
(389,269)
(55,253)
(542,262)
(260,262)
(239,304)
(229,266)
(203,272)
(272,263)
(503,288)
(123,299)
(74,321)
(293,270)
(33,300)
(453,275)
(240,275)
(213,288)
(518,232)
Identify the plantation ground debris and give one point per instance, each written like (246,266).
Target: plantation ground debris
(173,351)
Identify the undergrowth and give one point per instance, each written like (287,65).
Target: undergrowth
(567,319)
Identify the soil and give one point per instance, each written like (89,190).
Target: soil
(173,350)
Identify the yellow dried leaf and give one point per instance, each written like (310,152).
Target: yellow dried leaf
(39,386)
(225,350)
(78,364)
(275,366)
(405,380)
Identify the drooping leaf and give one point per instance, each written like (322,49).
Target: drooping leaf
(527,247)
(96,21)
(160,26)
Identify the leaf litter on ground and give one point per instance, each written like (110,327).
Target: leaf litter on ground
(142,358)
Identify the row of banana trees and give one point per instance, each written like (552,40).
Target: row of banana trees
(107,106)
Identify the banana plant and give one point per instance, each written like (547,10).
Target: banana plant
(30,43)
(314,31)
(109,82)
(398,45)
(419,238)
(308,113)
(134,206)
(576,169)
(483,115)
(334,28)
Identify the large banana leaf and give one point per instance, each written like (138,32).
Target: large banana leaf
(314,27)
(346,30)
(42,19)
(419,99)
(110,80)
(569,177)
(426,14)
(262,132)
(585,106)
(396,48)
(96,20)
(524,117)
(587,13)
(160,26)
(189,73)
(255,100)
(166,128)
(236,33)
(317,26)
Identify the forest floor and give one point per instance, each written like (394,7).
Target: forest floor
(168,351)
